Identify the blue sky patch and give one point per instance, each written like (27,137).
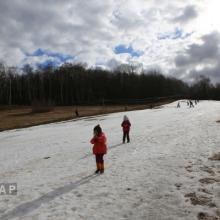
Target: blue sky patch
(41,52)
(54,58)
(48,63)
(127,49)
(176,34)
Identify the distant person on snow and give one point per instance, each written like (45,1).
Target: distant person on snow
(126,129)
(76,112)
(178,105)
(191,103)
(99,148)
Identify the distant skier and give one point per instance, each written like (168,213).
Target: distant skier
(126,129)
(76,112)
(191,104)
(99,148)
(178,105)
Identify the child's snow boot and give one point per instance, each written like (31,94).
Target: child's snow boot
(98,168)
(102,168)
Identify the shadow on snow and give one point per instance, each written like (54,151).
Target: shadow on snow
(27,207)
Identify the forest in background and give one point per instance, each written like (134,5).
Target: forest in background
(74,84)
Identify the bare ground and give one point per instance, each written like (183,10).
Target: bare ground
(22,116)
(215,157)
(205,216)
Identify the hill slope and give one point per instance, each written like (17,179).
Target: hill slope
(164,173)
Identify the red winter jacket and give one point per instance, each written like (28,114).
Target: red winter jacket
(126,125)
(99,144)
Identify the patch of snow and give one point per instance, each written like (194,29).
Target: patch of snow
(148,178)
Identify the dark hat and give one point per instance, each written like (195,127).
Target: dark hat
(98,129)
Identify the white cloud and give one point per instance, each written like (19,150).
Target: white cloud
(187,14)
(200,59)
(90,30)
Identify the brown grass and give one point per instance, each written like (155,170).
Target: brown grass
(23,116)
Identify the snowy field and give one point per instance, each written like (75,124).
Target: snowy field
(164,173)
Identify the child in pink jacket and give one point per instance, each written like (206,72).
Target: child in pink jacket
(126,129)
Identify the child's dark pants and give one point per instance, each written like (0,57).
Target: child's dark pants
(99,163)
(126,136)
(99,158)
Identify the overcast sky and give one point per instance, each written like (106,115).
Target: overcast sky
(180,37)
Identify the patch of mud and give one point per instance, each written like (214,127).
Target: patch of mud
(189,168)
(208,180)
(205,216)
(205,197)
(208,170)
(215,157)
(200,200)
(46,158)
(178,185)
(205,191)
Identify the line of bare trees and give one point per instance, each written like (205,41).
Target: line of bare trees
(72,84)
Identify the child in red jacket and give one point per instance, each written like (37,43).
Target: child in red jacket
(99,148)
(126,129)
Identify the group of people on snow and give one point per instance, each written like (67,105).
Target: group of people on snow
(99,139)
(189,103)
(99,143)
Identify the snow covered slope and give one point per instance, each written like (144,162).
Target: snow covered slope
(164,173)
